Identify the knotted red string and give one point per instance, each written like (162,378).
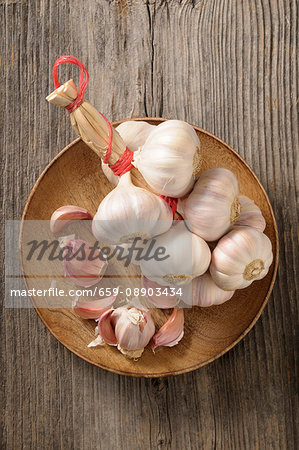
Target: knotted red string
(173,203)
(83,82)
(123,164)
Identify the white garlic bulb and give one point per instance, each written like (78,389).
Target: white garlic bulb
(250,214)
(240,257)
(170,158)
(130,212)
(205,292)
(185,256)
(213,206)
(134,134)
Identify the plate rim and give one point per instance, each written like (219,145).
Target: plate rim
(195,366)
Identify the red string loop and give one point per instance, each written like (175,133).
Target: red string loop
(83,82)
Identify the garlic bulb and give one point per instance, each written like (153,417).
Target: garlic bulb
(250,215)
(79,267)
(213,205)
(134,134)
(170,158)
(129,328)
(159,296)
(185,257)
(240,257)
(206,293)
(129,212)
(171,332)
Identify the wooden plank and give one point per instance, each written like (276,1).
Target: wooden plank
(229,67)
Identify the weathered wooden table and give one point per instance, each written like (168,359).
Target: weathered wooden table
(228,66)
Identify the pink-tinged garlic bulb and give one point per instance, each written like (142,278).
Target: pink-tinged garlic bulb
(184,256)
(134,134)
(170,159)
(130,212)
(241,257)
(129,328)
(62,216)
(213,206)
(250,215)
(171,332)
(205,292)
(84,265)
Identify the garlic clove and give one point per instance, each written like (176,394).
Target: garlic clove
(159,296)
(213,206)
(83,264)
(186,257)
(240,257)
(206,292)
(95,308)
(106,328)
(62,216)
(170,159)
(250,215)
(130,212)
(171,332)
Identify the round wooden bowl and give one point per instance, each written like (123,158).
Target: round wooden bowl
(75,177)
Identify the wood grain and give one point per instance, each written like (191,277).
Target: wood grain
(230,67)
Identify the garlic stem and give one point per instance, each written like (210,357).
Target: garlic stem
(235,210)
(253,269)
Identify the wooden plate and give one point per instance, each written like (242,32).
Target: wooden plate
(75,177)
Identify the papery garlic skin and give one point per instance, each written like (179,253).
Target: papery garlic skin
(205,292)
(188,257)
(130,212)
(112,178)
(170,159)
(129,328)
(212,206)
(250,214)
(241,257)
(134,134)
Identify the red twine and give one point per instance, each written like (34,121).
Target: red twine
(173,203)
(123,164)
